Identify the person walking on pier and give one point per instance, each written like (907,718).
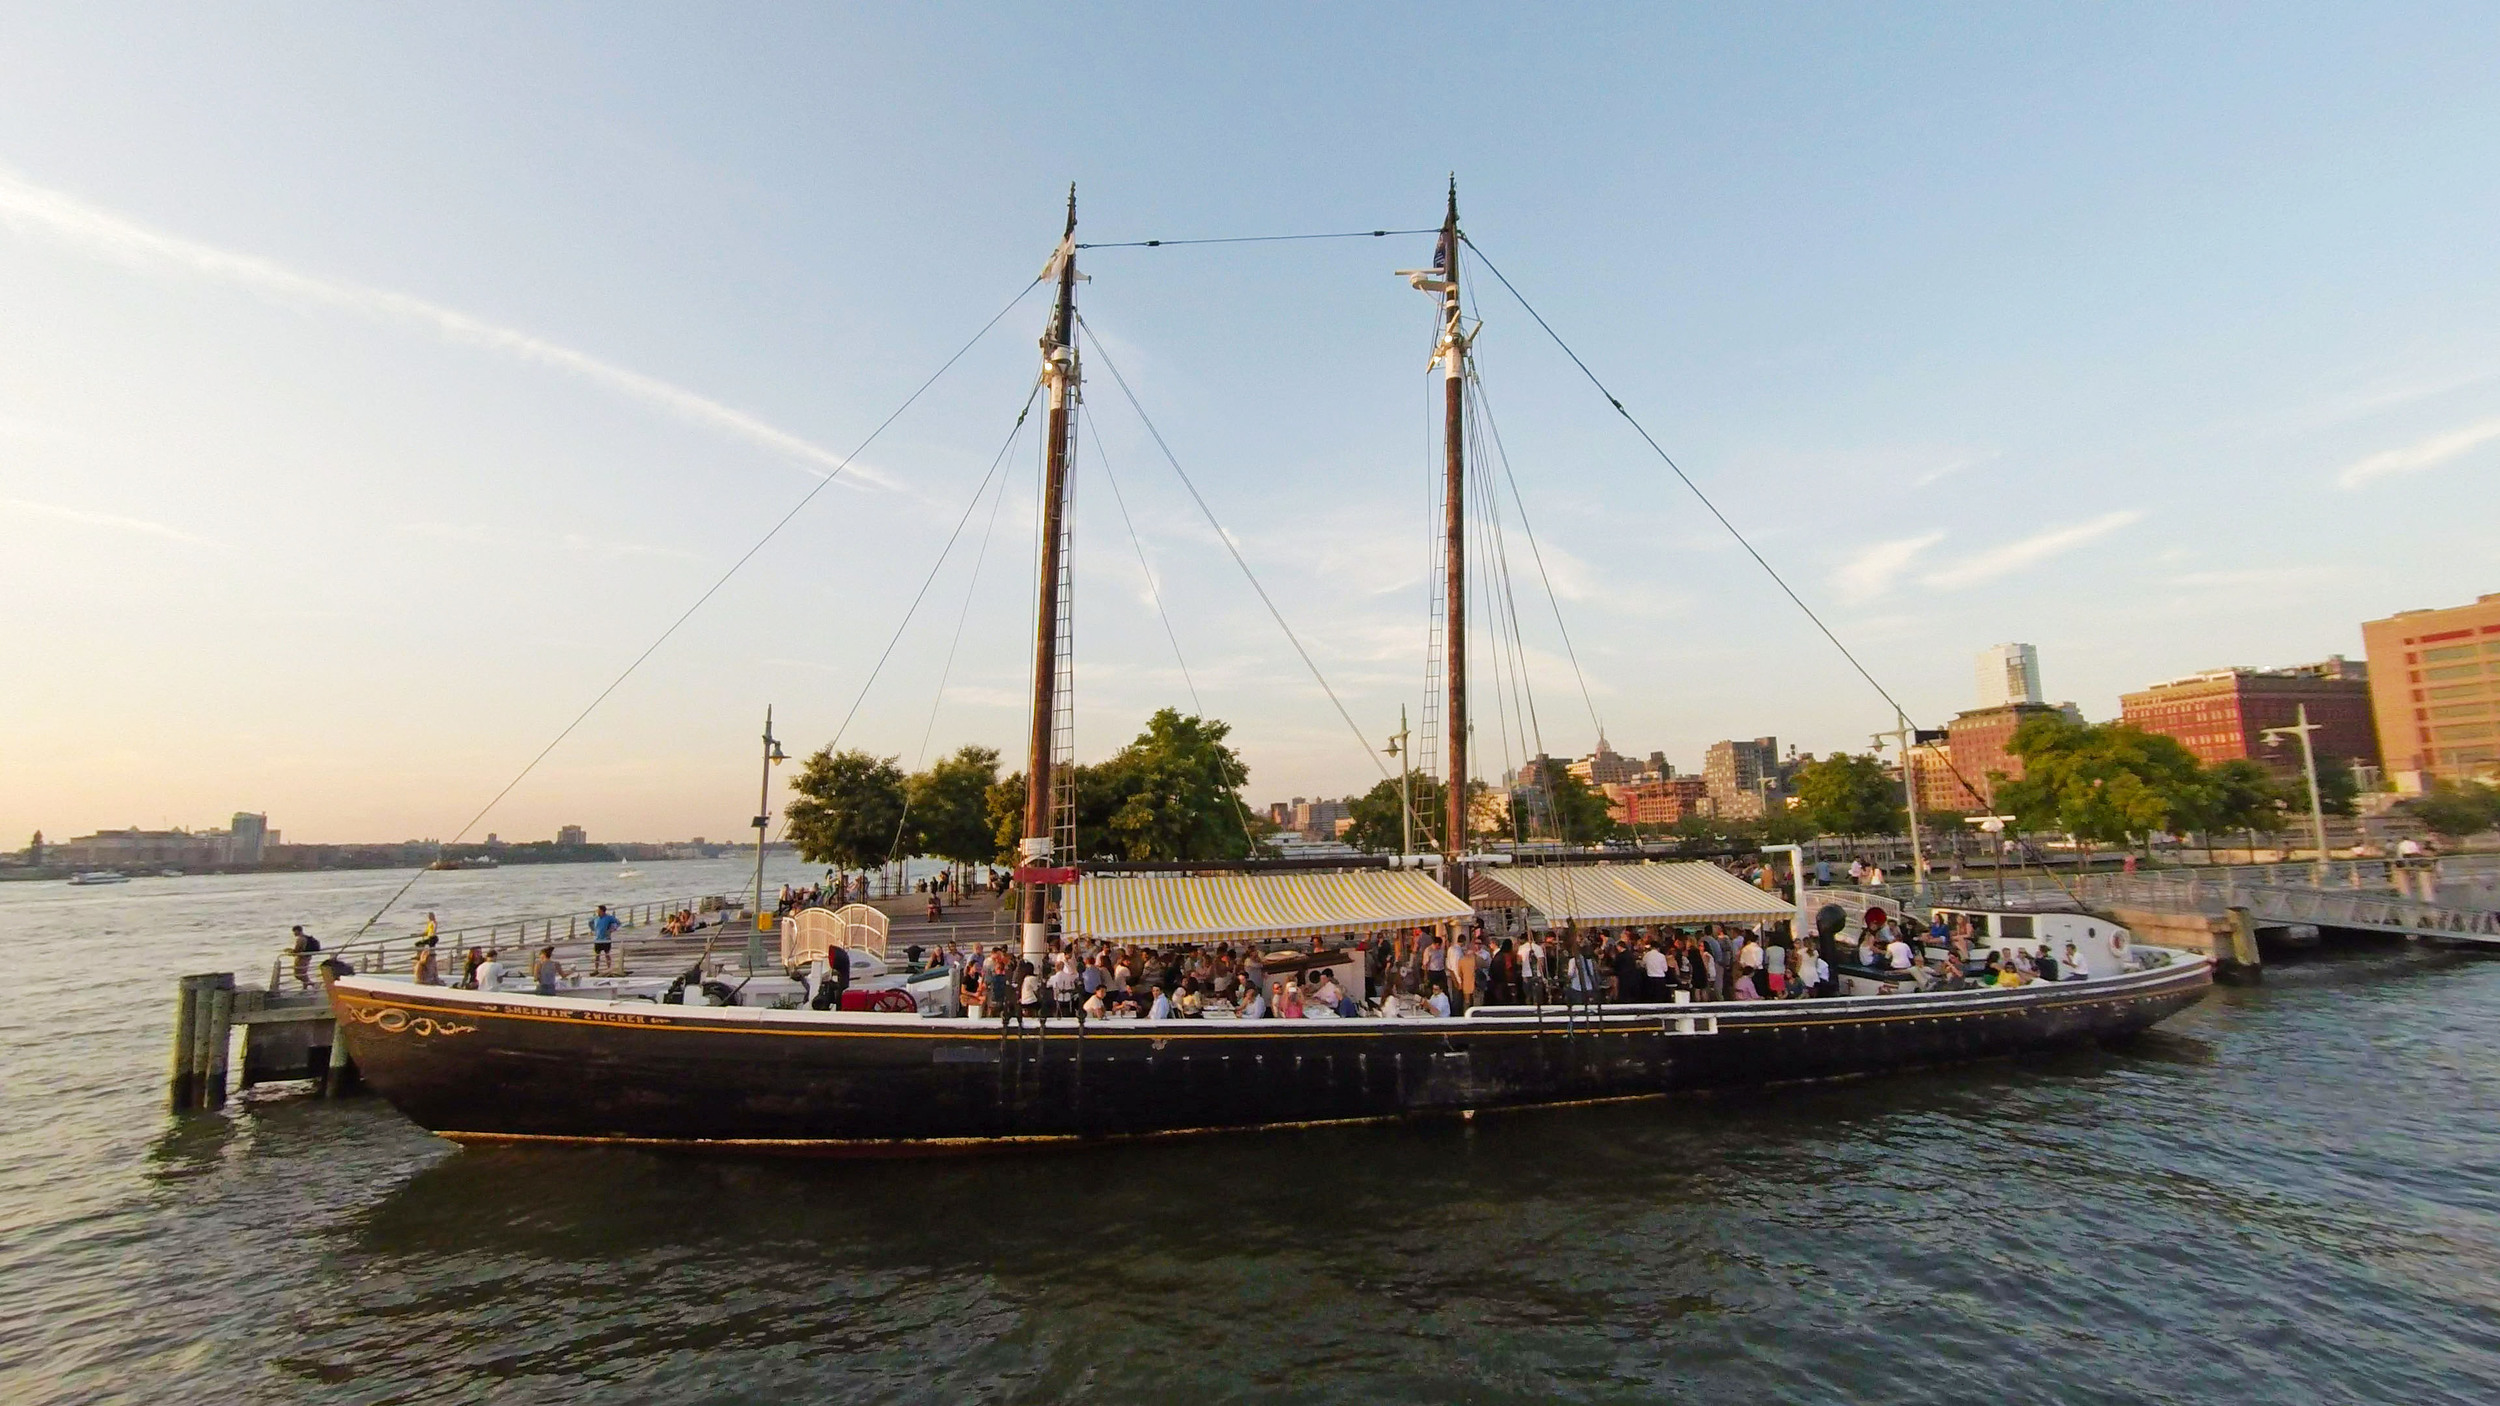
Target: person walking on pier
(602,941)
(303,947)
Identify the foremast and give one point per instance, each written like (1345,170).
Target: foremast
(1451,353)
(1059,377)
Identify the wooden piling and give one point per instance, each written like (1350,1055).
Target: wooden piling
(220,1040)
(341,1080)
(186,1017)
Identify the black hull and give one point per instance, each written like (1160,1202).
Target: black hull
(507,1068)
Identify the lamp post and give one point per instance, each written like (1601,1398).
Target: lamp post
(1905,737)
(2309,764)
(763,817)
(1995,826)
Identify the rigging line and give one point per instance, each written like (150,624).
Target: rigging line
(962,618)
(1532,727)
(1227,538)
(1259,238)
(1741,540)
(1155,593)
(1669,461)
(1493,432)
(925,582)
(714,589)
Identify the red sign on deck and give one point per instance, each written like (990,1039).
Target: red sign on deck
(1046,876)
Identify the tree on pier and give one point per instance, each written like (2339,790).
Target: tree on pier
(2110,782)
(1173,793)
(949,806)
(1848,794)
(846,809)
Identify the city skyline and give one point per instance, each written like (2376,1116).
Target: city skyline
(355,433)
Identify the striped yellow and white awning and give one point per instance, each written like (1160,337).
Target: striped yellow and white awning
(1684,892)
(1158,908)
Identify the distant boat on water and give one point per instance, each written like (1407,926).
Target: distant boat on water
(100,876)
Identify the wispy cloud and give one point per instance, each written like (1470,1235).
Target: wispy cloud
(111,521)
(480,536)
(34,209)
(2030,551)
(2420,455)
(1877,566)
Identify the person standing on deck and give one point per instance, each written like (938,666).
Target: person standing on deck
(602,940)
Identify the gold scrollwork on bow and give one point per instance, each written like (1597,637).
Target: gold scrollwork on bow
(392,1020)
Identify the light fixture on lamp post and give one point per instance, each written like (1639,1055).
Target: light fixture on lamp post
(1994,825)
(2309,764)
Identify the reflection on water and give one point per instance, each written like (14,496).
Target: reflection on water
(2290,1193)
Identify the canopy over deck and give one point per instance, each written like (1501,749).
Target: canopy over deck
(1164,908)
(1685,892)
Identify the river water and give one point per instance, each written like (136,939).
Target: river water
(2290,1193)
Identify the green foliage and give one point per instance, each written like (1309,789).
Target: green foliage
(1848,794)
(1579,809)
(1174,793)
(2240,795)
(846,809)
(1378,827)
(950,807)
(2338,788)
(1789,825)
(2106,782)
(2456,809)
(1177,792)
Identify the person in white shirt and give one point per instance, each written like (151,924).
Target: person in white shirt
(1897,954)
(1749,968)
(1093,1007)
(1330,993)
(490,973)
(1532,968)
(1162,1008)
(1440,1002)
(1653,973)
(1257,1008)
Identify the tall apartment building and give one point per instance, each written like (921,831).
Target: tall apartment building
(2221,715)
(2435,689)
(1740,773)
(2009,674)
(571,835)
(248,838)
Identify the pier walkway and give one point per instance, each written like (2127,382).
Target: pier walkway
(2445,904)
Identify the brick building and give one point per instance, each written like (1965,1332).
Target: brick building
(2221,715)
(1976,742)
(1662,801)
(2435,691)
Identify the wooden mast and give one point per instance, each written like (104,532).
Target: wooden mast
(1059,374)
(1453,354)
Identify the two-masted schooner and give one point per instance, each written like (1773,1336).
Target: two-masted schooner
(502,1066)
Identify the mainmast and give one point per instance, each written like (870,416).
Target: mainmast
(1453,356)
(1059,377)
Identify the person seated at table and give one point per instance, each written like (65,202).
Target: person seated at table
(1162,1007)
(1253,1003)
(1439,1003)
(1330,993)
(1288,1001)
(1094,1008)
(1191,1005)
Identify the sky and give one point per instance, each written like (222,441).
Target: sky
(378,383)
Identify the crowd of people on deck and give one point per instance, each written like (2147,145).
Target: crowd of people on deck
(1426,972)
(1938,957)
